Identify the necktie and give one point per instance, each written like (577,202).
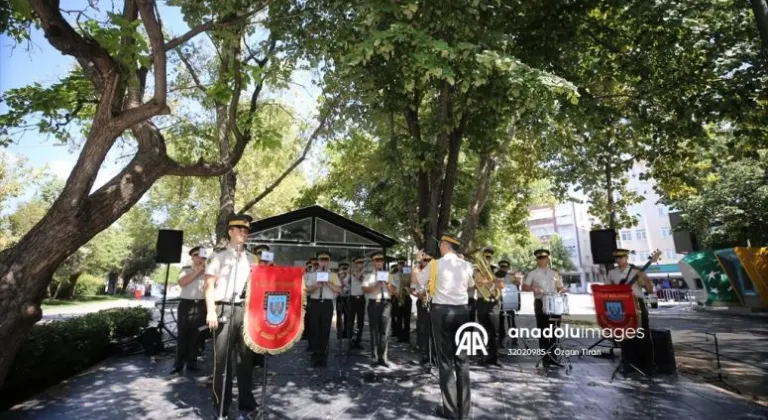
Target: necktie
(382,292)
(321,291)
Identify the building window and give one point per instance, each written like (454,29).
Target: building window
(666,232)
(670,254)
(640,234)
(663,211)
(641,256)
(626,235)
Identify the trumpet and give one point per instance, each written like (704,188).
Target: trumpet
(487,291)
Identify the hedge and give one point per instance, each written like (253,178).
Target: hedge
(57,350)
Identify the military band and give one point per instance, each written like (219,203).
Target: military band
(226,279)
(379,289)
(356,303)
(191,311)
(321,287)
(342,303)
(541,281)
(488,290)
(404,302)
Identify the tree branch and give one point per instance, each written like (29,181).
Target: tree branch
(89,53)
(156,105)
(207,26)
(190,69)
(288,170)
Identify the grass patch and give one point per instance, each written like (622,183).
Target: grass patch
(79,300)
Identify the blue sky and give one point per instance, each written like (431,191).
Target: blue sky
(21,66)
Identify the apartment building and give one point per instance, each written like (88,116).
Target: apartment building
(571,222)
(652,231)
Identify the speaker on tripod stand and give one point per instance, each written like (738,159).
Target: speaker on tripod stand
(167,251)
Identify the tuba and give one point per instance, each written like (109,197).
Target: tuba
(486,291)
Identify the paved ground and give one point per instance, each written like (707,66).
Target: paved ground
(139,387)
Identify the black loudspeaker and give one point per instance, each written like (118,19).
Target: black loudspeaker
(602,243)
(663,351)
(685,242)
(168,248)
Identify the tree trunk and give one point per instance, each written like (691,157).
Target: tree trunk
(483,174)
(228,180)
(27,268)
(760,9)
(73,283)
(449,182)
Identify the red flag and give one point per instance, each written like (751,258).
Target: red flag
(274,312)
(615,306)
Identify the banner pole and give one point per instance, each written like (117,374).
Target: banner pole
(264,386)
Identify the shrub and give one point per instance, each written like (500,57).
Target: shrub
(127,322)
(54,351)
(89,285)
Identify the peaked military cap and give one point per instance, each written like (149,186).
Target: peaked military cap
(540,253)
(447,237)
(239,220)
(621,253)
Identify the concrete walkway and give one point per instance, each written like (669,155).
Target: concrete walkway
(138,387)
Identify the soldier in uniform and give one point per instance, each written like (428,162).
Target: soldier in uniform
(629,274)
(448,281)
(356,302)
(226,279)
(342,302)
(510,280)
(423,325)
(191,311)
(488,314)
(379,290)
(404,302)
(543,280)
(321,286)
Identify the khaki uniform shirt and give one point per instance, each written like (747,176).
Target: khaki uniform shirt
(615,276)
(454,277)
(544,278)
(193,290)
(232,272)
(382,291)
(325,291)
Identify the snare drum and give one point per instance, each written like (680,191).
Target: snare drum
(555,304)
(510,298)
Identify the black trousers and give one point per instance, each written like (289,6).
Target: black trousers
(191,317)
(639,351)
(472,310)
(404,318)
(424,331)
(379,318)
(319,315)
(543,321)
(396,323)
(341,316)
(241,361)
(503,327)
(454,369)
(356,313)
(488,316)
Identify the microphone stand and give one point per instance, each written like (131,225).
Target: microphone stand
(229,339)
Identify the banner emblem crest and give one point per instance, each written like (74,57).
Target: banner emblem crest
(614,310)
(276,307)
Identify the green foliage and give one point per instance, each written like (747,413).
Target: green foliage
(139,262)
(88,285)
(56,350)
(16,19)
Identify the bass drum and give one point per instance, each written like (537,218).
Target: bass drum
(510,298)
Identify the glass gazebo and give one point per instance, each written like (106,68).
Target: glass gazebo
(296,236)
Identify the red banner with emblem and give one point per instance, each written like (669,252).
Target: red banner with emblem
(274,312)
(615,306)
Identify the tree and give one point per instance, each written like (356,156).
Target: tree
(430,82)
(140,262)
(115,58)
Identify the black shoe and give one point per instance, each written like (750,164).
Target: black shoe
(440,413)
(176,369)
(383,363)
(193,368)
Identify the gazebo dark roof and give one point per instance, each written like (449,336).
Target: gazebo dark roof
(317,212)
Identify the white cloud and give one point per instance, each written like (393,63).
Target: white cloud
(61,168)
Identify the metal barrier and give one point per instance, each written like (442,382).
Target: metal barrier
(676,295)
